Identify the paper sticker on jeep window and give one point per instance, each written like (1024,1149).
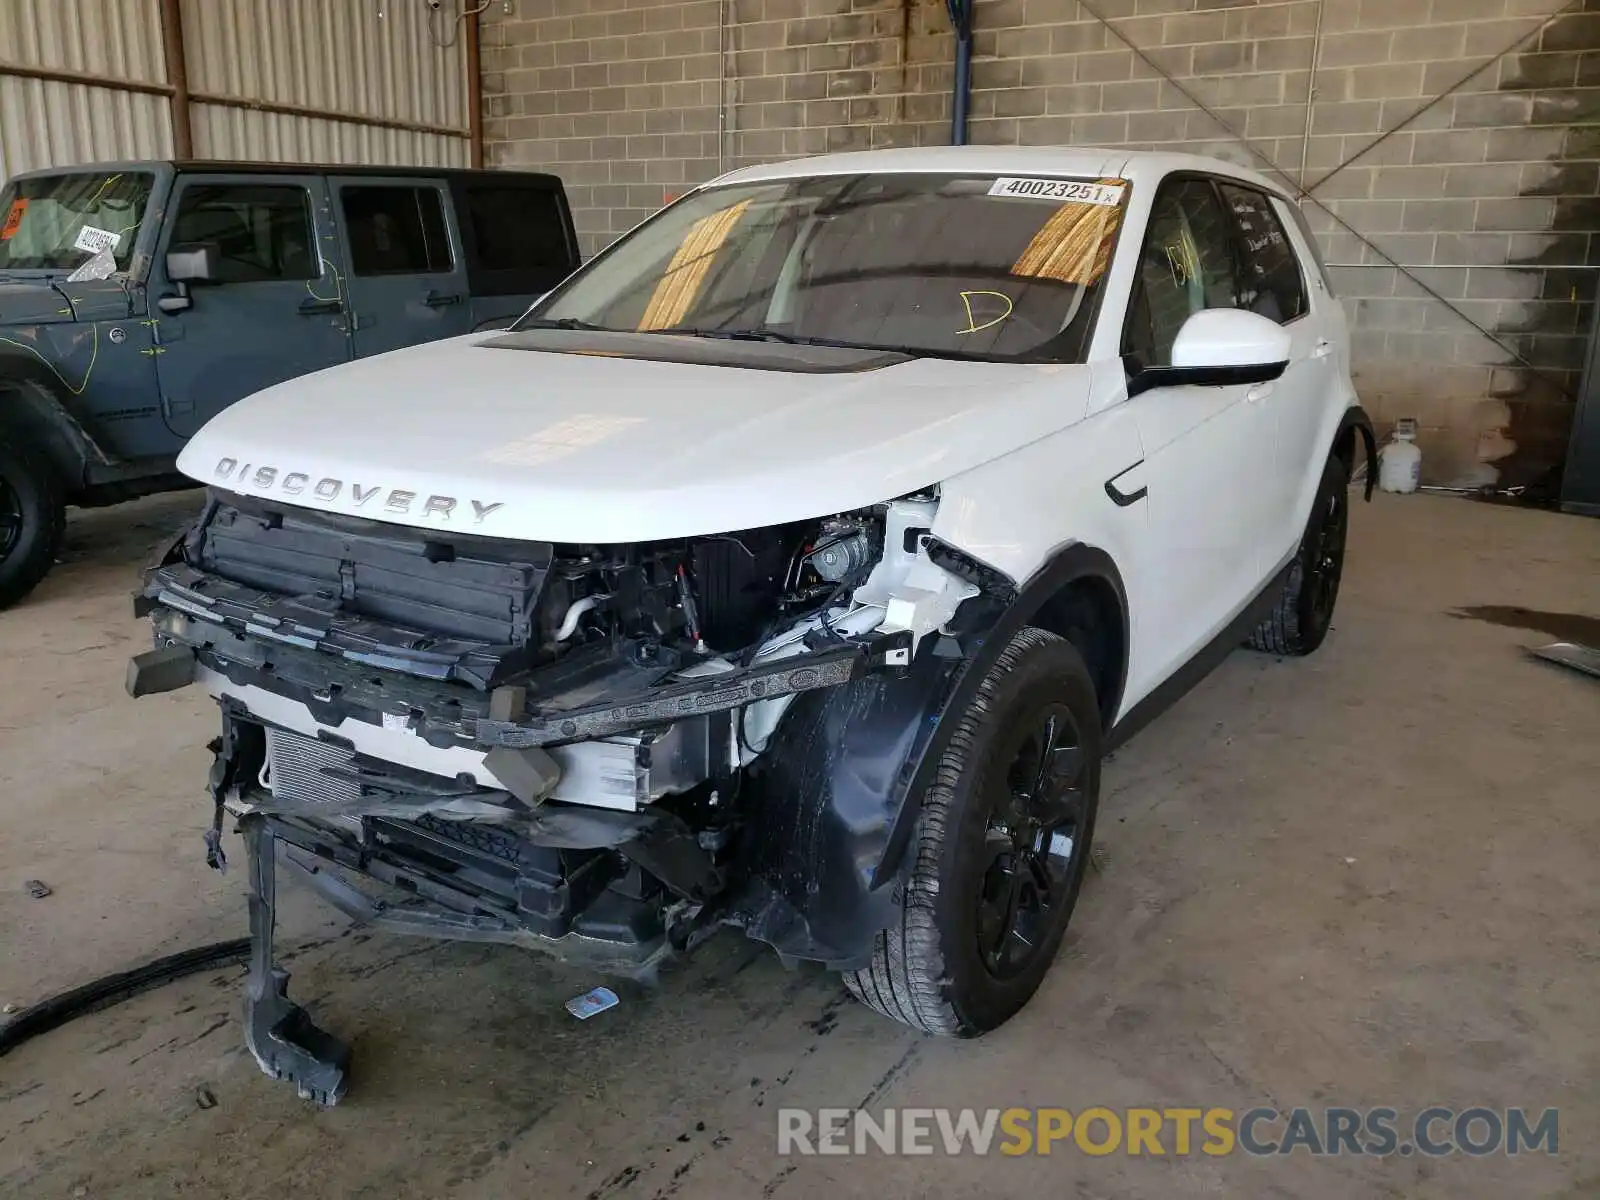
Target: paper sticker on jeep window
(1057,189)
(95,241)
(8,231)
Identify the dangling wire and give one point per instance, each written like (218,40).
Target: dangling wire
(455,30)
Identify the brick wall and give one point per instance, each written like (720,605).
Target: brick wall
(1488,196)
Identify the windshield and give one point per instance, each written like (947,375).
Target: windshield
(59,222)
(967,266)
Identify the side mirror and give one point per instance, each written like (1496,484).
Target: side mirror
(1220,347)
(193,263)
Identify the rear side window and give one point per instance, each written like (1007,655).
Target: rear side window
(517,229)
(395,230)
(261,232)
(1273,285)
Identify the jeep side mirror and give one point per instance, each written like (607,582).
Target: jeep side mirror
(193,263)
(1220,347)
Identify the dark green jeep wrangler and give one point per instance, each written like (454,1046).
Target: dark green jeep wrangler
(137,300)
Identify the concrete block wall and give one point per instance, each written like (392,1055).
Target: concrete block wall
(1457,138)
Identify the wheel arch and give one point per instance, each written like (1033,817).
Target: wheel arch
(1354,432)
(838,796)
(35,407)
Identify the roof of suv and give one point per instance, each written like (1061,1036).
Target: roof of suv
(287,168)
(1091,162)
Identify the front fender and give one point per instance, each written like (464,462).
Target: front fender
(838,793)
(35,405)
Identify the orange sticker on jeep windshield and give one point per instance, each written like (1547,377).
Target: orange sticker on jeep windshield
(13,220)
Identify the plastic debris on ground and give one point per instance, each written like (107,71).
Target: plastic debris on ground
(1570,654)
(595,1000)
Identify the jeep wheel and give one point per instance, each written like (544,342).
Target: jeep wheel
(1003,839)
(32,520)
(1304,611)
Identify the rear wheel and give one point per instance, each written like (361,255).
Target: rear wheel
(1003,839)
(1304,611)
(33,518)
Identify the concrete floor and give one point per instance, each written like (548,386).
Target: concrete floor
(1366,878)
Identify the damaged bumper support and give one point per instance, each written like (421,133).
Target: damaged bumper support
(557,747)
(347,850)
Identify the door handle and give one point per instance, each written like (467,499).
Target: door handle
(314,305)
(1259,392)
(1322,349)
(435,300)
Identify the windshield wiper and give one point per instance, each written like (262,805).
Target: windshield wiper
(792,339)
(566,323)
(738,335)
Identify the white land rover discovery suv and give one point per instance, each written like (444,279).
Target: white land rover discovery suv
(790,567)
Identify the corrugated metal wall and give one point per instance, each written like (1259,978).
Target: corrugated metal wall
(337,55)
(378,63)
(44,123)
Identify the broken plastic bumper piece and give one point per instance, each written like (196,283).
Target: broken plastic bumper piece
(286,1043)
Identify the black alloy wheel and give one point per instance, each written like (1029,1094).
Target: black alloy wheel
(1033,841)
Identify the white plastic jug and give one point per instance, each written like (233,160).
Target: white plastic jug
(1400,461)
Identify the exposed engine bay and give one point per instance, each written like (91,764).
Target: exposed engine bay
(566,746)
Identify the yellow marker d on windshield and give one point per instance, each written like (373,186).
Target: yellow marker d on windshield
(972,322)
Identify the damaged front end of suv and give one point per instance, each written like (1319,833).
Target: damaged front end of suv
(752,579)
(605,751)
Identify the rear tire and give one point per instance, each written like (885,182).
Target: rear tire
(1003,839)
(33,518)
(1300,619)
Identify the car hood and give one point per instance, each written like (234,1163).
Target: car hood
(602,445)
(30,302)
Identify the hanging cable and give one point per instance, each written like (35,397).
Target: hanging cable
(437,11)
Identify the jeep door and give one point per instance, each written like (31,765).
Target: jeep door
(407,281)
(1208,450)
(273,310)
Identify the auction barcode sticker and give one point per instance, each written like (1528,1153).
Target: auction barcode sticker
(1057,189)
(96,241)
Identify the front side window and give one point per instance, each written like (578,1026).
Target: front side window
(59,222)
(395,230)
(1274,287)
(261,232)
(1186,265)
(980,267)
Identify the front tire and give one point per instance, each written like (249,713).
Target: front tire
(33,518)
(1003,840)
(1299,621)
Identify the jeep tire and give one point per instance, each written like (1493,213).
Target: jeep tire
(1303,613)
(33,517)
(1003,838)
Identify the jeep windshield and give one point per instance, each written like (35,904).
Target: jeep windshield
(983,267)
(59,222)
